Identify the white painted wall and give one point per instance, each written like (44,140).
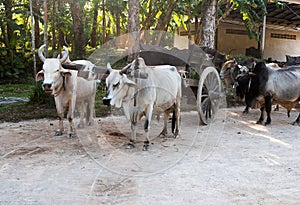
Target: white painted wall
(275,48)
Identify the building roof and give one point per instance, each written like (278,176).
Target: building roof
(286,16)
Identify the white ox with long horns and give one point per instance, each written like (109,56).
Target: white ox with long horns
(87,79)
(159,92)
(65,86)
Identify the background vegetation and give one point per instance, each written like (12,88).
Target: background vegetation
(85,25)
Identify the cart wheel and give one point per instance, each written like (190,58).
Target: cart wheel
(209,95)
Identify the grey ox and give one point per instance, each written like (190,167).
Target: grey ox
(280,85)
(159,92)
(67,88)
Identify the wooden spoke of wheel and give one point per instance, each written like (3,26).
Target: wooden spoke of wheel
(209,95)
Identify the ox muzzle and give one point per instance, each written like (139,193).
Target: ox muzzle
(47,87)
(106,100)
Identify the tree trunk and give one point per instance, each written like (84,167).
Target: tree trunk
(164,20)
(61,40)
(9,31)
(53,13)
(78,29)
(197,31)
(165,17)
(133,29)
(36,11)
(118,25)
(103,23)
(95,25)
(8,15)
(208,12)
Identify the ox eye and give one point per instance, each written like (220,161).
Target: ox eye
(116,85)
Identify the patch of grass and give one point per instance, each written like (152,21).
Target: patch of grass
(16,90)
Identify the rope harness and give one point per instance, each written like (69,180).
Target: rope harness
(61,87)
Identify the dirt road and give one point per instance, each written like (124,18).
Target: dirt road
(232,161)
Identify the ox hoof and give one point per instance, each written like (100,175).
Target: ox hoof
(70,136)
(267,123)
(146,147)
(163,134)
(259,122)
(130,146)
(296,123)
(58,133)
(245,112)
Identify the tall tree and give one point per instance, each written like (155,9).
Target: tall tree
(60,23)
(95,24)
(78,29)
(133,28)
(208,17)
(103,22)
(37,13)
(53,22)
(8,5)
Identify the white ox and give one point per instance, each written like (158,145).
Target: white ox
(87,89)
(159,92)
(66,88)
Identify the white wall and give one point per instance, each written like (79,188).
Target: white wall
(233,44)
(277,48)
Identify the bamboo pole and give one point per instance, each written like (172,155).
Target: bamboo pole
(45,28)
(33,40)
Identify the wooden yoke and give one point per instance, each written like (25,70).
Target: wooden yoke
(102,72)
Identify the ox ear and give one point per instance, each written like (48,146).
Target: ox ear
(109,68)
(128,82)
(39,76)
(66,73)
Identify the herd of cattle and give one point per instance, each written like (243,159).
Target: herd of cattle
(157,89)
(261,83)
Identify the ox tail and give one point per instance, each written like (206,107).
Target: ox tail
(173,121)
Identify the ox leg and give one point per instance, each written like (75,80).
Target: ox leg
(60,130)
(60,113)
(91,111)
(81,114)
(297,121)
(177,117)
(130,145)
(246,110)
(71,123)
(261,118)
(147,127)
(164,132)
(276,108)
(268,105)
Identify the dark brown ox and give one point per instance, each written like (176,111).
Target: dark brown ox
(281,86)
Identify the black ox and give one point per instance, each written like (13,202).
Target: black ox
(281,86)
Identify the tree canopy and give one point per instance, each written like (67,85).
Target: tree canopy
(84,25)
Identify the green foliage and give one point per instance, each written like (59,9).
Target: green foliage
(15,51)
(39,96)
(16,90)
(249,11)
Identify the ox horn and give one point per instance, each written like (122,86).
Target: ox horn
(40,53)
(124,70)
(65,56)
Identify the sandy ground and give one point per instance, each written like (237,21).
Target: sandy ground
(232,161)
